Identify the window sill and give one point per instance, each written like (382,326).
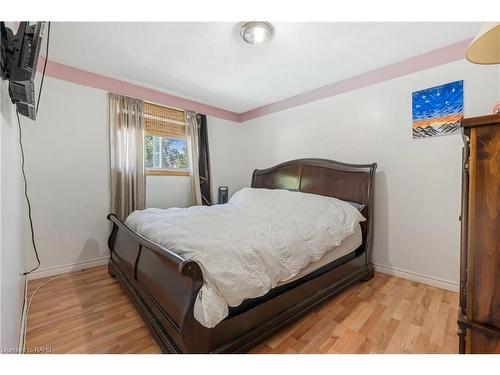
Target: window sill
(166,172)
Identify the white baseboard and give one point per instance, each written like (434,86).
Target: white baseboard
(413,276)
(57,270)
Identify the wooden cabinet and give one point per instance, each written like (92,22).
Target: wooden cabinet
(479,314)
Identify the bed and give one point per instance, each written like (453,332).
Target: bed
(164,286)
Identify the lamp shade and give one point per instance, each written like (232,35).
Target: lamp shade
(485,48)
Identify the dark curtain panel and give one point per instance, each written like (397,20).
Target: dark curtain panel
(204,162)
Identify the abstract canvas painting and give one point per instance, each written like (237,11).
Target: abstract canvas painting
(438,110)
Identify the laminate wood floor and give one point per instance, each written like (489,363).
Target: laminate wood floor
(88,312)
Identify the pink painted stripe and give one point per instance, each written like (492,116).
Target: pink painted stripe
(414,64)
(85,78)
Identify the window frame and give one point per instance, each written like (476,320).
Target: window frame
(165,171)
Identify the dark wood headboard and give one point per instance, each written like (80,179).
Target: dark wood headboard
(350,182)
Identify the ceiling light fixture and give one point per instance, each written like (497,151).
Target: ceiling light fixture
(256,32)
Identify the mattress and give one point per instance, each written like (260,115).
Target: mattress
(347,246)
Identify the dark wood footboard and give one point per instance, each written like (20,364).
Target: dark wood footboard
(159,282)
(164,286)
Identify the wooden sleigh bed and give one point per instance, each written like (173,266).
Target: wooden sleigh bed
(164,286)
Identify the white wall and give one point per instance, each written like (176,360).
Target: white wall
(67,163)
(12,224)
(418,181)
(68,174)
(168,191)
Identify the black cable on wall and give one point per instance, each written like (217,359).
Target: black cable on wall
(27,196)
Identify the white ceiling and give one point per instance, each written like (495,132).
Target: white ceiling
(208,62)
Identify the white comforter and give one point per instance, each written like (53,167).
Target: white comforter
(249,245)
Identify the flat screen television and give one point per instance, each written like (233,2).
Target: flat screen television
(19,58)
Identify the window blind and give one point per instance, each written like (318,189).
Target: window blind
(164,121)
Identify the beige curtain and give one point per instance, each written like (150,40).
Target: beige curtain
(193,138)
(126,146)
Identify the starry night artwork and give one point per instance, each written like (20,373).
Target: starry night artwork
(438,110)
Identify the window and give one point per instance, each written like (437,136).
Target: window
(165,143)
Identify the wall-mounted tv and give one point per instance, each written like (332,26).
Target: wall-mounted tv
(19,58)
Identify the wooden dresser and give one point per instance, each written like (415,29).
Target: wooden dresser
(479,313)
